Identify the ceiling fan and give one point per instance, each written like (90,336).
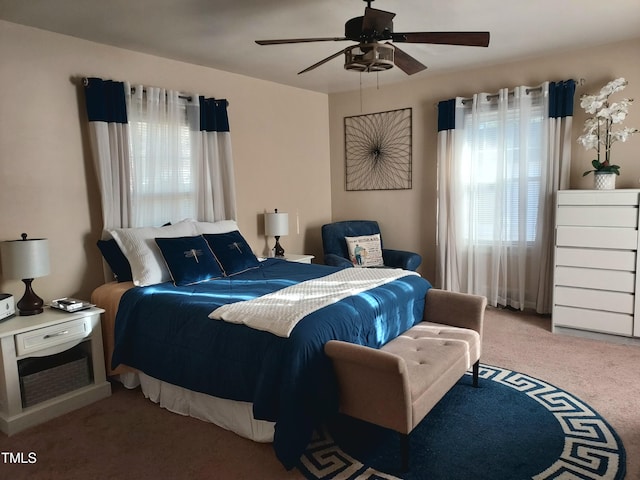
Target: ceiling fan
(374,52)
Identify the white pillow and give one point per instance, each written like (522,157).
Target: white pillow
(138,245)
(365,251)
(222,226)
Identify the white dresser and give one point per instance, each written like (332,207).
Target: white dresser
(596,260)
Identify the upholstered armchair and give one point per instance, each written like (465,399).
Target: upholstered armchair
(336,250)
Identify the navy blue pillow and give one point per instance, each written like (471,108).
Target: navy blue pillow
(116,260)
(189,259)
(233,252)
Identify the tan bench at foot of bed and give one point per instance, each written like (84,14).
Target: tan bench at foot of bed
(396,386)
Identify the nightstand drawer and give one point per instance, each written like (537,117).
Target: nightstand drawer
(46,337)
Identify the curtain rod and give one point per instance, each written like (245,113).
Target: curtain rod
(188,98)
(496,95)
(85,82)
(579,82)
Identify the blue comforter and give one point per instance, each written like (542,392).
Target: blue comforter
(164,331)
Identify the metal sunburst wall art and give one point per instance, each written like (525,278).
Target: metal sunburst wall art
(378,151)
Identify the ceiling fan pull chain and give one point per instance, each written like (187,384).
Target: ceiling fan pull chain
(360,92)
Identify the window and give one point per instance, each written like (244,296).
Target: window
(161,155)
(163,171)
(501,160)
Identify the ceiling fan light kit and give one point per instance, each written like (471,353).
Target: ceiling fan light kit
(369,57)
(376,26)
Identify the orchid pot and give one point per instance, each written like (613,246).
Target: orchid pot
(604,180)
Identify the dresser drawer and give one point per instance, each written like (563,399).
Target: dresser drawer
(580,216)
(47,337)
(599,197)
(597,237)
(606,322)
(597,279)
(594,299)
(589,258)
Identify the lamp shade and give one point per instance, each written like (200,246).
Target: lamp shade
(276,224)
(26,258)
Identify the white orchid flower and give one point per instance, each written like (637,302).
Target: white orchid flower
(613,86)
(588,141)
(591,125)
(590,103)
(617,116)
(622,135)
(598,133)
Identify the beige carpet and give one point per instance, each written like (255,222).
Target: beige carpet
(127,437)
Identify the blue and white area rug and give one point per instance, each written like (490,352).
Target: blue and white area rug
(513,427)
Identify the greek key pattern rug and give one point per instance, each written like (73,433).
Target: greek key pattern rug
(592,449)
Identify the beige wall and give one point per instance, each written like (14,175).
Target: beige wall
(282,138)
(408,217)
(48,189)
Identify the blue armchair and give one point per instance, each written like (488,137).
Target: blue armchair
(335,246)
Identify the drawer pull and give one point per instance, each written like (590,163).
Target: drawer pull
(57,334)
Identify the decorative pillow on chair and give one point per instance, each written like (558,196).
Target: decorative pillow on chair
(233,252)
(115,259)
(142,252)
(365,251)
(189,259)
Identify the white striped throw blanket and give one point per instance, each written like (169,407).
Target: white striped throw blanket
(280,311)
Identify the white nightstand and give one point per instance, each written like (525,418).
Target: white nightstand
(292,257)
(35,351)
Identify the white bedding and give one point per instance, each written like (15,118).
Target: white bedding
(229,414)
(280,311)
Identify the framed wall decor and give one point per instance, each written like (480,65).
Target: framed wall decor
(378,151)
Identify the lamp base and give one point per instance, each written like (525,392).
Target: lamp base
(278,250)
(30,303)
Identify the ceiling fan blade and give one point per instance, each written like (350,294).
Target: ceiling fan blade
(325,60)
(300,40)
(471,39)
(376,20)
(406,62)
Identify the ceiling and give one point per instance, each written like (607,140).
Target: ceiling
(221,33)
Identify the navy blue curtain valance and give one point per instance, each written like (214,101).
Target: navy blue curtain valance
(561,98)
(447,115)
(105,100)
(213,115)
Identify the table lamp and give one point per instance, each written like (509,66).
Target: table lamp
(26,259)
(275,225)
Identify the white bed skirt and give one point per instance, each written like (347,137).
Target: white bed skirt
(228,414)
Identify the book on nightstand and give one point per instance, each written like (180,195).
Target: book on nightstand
(69,304)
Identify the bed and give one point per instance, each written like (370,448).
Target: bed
(263,386)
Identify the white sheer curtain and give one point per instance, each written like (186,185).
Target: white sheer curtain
(182,157)
(216,190)
(559,158)
(498,171)
(109,142)
(164,171)
(160,155)
(109,137)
